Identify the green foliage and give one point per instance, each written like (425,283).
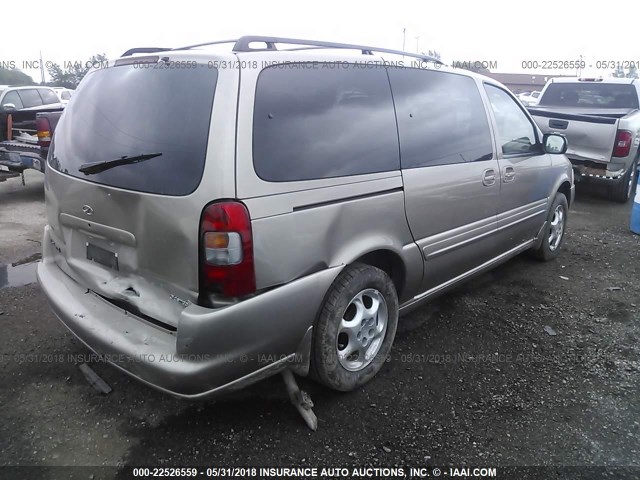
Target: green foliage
(434,53)
(14,77)
(73,72)
(631,73)
(619,72)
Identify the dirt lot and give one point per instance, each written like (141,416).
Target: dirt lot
(476,379)
(22,217)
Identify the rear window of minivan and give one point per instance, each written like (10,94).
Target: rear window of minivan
(133,110)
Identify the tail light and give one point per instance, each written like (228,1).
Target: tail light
(226,258)
(9,127)
(44,131)
(622,147)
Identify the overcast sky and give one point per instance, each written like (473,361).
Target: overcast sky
(503,32)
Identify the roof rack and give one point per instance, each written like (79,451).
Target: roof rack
(217,42)
(242,44)
(131,51)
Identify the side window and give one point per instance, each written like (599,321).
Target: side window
(323,122)
(30,98)
(48,96)
(12,97)
(441,118)
(515,134)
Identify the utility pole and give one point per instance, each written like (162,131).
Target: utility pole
(404,38)
(580,67)
(41,69)
(418,44)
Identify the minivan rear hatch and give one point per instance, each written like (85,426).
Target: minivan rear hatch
(127,156)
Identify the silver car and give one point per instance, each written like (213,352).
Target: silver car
(220,214)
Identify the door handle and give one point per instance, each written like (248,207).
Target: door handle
(489,177)
(509,174)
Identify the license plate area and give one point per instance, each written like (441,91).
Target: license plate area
(103,257)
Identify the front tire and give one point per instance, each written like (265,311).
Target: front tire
(553,235)
(356,327)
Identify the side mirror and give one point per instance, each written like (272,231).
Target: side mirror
(554,143)
(9,107)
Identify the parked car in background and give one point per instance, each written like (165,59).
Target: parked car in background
(64,94)
(601,120)
(13,99)
(325,202)
(529,98)
(28,116)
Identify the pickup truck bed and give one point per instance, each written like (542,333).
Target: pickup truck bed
(23,121)
(601,120)
(23,146)
(591,134)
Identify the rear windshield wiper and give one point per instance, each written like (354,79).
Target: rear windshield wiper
(97,167)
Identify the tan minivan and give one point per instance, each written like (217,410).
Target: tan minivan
(220,212)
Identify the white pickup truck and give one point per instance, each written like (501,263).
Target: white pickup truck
(601,120)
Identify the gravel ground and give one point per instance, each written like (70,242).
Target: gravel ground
(22,217)
(530,364)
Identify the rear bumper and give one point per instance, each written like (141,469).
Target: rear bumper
(18,158)
(213,351)
(604,173)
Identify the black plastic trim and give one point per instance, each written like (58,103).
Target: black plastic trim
(348,199)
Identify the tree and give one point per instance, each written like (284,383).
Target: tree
(433,53)
(14,77)
(619,72)
(74,72)
(632,72)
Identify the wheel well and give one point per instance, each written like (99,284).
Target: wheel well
(390,263)
(565,189)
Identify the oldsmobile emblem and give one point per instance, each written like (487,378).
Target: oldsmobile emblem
(87,209)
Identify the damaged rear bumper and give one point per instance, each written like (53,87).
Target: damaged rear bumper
(211,352)
(18,158)
(601,173)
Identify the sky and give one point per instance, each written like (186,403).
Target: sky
(489,30)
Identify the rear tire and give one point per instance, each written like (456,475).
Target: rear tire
(553,234)
(622,190)
(356,327)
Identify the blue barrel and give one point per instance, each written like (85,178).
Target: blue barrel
(635,212)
